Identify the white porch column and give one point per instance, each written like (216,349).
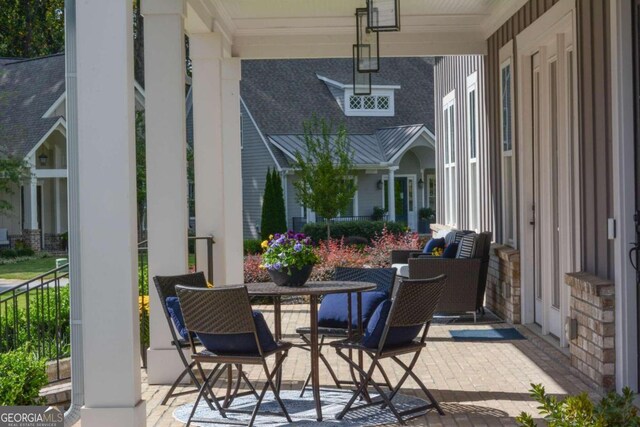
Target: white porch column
(105,202)
(166,151)
(217,155)
(33,202)
(391,193)
(57,193)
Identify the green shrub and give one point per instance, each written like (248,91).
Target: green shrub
(366,229)
(49,335)
(8,253)
(252,247)
(25,252)
(580,411)
(273,211)
(23,375)
(378,213)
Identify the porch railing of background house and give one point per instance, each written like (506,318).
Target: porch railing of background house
(36,313)
(297,222)
(143,285)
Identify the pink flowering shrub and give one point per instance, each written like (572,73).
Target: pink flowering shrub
(379,253)
(252,271)
(339,254)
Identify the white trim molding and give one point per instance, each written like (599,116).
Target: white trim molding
(624,182)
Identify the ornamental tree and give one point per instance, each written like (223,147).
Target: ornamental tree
(273,212)
(325,170)
(13,171)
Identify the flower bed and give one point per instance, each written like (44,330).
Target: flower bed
(339,254)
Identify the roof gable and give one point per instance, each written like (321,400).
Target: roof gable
(282,94)
(28,89)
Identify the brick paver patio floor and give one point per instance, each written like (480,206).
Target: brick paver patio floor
(477,383)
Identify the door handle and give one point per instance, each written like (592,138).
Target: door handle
(532,222)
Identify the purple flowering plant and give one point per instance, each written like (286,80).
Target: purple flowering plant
(286,250)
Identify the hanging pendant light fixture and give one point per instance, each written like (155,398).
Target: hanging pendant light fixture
(368,44)
(361,81)
(384,15)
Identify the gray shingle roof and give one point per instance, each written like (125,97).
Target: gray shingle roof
(28,88)
(282,94)
(369,149)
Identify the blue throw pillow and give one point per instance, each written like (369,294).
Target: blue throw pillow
(450,251)
(173,307)
(333,311)
(240,343)
(397,336)
(432,244)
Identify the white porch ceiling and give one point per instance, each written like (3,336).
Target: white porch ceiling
(326,28)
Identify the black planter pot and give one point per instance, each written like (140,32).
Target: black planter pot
(291,276)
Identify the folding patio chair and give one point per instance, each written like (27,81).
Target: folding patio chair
(165,285)
(231,333)
(334,311)
(392,332)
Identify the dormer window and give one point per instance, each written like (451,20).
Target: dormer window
(379,103)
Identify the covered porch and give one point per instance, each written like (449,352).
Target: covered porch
(477,383)
(109,387)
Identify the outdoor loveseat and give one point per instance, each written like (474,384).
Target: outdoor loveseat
(466,277)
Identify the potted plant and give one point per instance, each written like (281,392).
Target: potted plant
(426,217)
(288,258)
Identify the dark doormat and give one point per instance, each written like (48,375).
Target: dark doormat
(501,334)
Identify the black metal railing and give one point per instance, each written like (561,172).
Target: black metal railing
(297,222)
(36,313)
(143,286)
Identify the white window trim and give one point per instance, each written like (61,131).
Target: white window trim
(506,60)
(472,86)
(361,112)
(450,170)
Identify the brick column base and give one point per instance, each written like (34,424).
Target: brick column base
(503,283)
(593,307)
(31,238)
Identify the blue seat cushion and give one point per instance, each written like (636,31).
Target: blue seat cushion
(432,244)
(396,337)
(240,344)
(333,311)
(450,251)
(173,307)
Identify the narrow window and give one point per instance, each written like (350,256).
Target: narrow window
(450,178)
(472,137)
(508,158)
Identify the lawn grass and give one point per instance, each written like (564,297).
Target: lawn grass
(29,269)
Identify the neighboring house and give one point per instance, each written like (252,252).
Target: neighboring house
(33,127)
(390,132)
(530,149)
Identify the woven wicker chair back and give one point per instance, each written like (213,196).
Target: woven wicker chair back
(415,301)
(166,285)
(382,277)
(224,310)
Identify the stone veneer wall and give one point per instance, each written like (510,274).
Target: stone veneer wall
(592,305)
(53,242)
(503,283)
(31,238)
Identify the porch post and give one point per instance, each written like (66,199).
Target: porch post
(391,193)
(217,155)
(166,151)
(33,201)
(104,200)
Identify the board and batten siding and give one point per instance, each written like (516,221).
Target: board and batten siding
(256,159)
(594,116)
(450,74)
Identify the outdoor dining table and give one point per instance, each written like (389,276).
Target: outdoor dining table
(313,290)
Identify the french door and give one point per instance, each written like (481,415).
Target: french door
(547,117)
